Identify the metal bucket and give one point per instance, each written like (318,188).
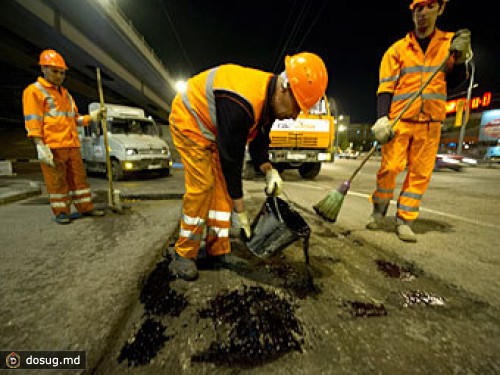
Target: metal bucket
(276,226)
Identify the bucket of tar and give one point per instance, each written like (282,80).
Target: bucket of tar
(276,226)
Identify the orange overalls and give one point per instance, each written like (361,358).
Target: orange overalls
(51,114)
(207,206)
(404,68)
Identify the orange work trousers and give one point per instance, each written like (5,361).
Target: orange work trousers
(206,204)
(67,182)
(415,146)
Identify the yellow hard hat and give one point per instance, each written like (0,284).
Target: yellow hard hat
(49,57)
(417,2)
(308,78)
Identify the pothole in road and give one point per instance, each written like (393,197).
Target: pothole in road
(258,326)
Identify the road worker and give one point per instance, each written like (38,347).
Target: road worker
(413,142)
(221,110)
(51,118)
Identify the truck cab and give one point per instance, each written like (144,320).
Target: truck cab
(133,139)
(303,144)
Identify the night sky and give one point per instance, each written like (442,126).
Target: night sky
(351,36)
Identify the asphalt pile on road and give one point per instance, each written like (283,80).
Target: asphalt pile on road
(148,341)
(257,326)
(158,300)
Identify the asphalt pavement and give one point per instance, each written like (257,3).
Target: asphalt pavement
(72,287)
(68,287)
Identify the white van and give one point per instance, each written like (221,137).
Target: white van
(134,143)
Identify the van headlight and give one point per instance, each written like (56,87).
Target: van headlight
(131,151)
(164,150)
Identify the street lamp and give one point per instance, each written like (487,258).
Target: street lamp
(337,126)
(467,108)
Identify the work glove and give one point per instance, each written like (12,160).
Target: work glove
(244,224)
(98,114)
(274,182)
(382,130)
(461,45)
(45,155)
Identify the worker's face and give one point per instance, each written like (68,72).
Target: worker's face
(425,16)
(54,75)
(285,106)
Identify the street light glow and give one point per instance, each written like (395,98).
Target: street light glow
(180,86)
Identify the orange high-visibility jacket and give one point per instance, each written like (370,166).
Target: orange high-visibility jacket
(51,114)
(403,70)
(230,106)
(250,84)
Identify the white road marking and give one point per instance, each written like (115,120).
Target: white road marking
(451,216)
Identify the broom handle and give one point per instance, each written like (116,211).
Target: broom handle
(405,108)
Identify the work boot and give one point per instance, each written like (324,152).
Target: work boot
(63,219)
(94,212)
(374,221)
(183,267)
(405,233)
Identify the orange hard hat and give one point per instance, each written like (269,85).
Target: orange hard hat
(308,78)
(49,57)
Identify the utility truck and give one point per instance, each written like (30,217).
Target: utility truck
(303,144)
(134,143)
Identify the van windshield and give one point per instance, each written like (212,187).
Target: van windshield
(133,126)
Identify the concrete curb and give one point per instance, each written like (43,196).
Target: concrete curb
(23,190)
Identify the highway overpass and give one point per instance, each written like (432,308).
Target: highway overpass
(89,34)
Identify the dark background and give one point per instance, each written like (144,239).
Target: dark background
(351,36)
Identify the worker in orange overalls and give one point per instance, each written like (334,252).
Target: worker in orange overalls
(223,109)
(414,140)
(51,118)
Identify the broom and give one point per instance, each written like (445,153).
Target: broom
(329,207)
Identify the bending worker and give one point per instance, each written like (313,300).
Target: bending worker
(414,140)
(211,122)
(51,117)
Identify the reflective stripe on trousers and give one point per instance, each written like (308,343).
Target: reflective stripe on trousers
(67,182)
(206,203)
(415,145)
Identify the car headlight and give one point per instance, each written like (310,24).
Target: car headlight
(469,161)
(450,161)
(164,150)
(131,151)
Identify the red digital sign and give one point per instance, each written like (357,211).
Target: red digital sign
(475,102)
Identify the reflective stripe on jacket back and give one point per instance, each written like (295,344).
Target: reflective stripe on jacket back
(250,84)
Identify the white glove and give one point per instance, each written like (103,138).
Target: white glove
(462,45)
(274,182)
(244,224)
(382,130)
(98,114)
(45,155)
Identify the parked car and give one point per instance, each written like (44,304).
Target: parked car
(492,153)
(453,161)
(349,154)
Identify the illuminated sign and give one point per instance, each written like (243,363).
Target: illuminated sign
(475,103)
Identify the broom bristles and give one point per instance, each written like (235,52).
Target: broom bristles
(329,207)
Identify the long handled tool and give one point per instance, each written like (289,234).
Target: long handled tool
(329,207)
(113,196)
